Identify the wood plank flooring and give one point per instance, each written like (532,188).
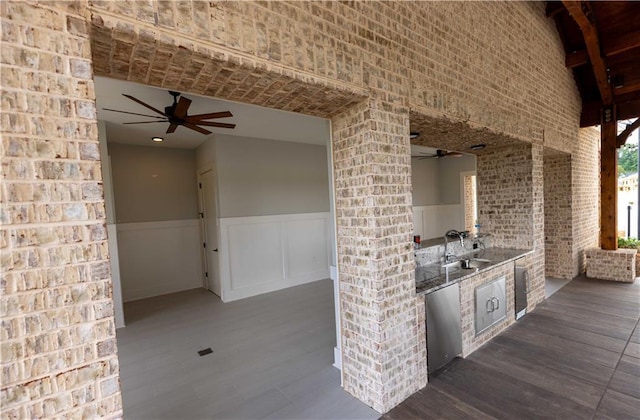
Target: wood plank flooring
(272,357)
(576,356)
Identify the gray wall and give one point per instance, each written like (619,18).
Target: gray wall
(153,184)
(450,169)
(258,177)
(437,181)
(425,181)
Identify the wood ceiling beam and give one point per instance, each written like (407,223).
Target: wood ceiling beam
(627,88)
(582,13)
(553,8)
(617,46)
(625,110)
(576,59)
(622,137)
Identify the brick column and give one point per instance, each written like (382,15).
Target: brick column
(511,205)
(58,336)
(383,336)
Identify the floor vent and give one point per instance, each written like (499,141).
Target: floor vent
(205,351)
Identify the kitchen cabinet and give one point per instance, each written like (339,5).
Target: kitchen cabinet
(490,304)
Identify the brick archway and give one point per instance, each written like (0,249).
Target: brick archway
(372,184)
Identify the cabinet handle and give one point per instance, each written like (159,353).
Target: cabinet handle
(526,282)
(489,309)
(497,306)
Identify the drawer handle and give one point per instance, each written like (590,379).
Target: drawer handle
(497,305)
(489,303)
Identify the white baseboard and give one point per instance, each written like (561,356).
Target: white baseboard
(337,358)
(112,241)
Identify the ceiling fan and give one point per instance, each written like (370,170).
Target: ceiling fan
(176,115)
(439,154)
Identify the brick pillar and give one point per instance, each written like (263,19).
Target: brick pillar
(383,335)
(58,336)
(511,205)
(536,260)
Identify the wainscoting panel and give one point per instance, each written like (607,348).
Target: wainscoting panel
(157,258)
(266,253)
(255,254)
(433,221)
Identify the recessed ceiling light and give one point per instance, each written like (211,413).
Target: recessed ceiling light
(157,139)
(478,146)
(414,135)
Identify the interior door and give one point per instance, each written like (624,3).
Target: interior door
(210,226)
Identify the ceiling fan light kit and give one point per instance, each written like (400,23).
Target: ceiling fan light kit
(177,115)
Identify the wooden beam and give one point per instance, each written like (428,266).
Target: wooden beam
(622,137)
(619,45)
(627,88)
(553,8)
(622,44)
(625,109)
(582,13)
(576,59)
(608,180)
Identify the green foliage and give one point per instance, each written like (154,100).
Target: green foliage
(628,159)
(629,243)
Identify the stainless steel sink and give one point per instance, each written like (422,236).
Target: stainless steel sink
(468,264)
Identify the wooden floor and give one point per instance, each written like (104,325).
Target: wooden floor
(576,356)
(271,357)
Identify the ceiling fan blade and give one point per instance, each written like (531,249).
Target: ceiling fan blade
(172,128)
(146,122)
(132,113)
(196,128)
(215,124)
(212,115)
(182,107)
(144,105)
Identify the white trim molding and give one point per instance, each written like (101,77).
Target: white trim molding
(261,254)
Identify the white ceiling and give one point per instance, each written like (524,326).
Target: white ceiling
(251,121)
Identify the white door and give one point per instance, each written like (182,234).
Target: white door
(210,227)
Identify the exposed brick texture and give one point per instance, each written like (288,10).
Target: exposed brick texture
(461,73)
(585,195)
(558,216)
(511,205)
(470,194)
(56,304)
(619,265)
(380,310)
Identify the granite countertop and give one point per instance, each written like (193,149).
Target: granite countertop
(432,277)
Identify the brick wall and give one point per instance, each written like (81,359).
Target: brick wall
(585,197)
(384,351)
(489,72)
(58,335)
(618,265)
(511,205)
(505,196)
(558,216)
(469,185)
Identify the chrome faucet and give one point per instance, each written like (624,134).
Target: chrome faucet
(451,234)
